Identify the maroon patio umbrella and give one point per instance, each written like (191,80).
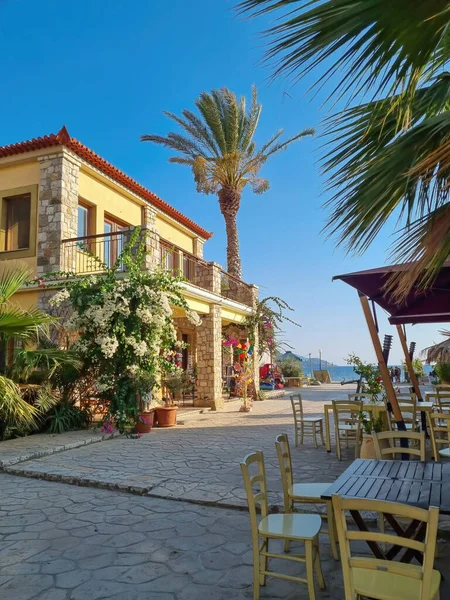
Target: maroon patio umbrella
(421,306)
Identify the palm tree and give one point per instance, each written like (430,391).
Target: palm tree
(391,154)
(220,149)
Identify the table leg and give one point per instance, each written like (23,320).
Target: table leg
(327,428)
(414,531)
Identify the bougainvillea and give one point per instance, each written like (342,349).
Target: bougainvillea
(125,326)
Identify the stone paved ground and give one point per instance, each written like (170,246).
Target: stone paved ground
(198,461)
(62,542)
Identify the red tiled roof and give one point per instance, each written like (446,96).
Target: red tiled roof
(62,138)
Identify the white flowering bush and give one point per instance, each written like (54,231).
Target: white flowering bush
(125,327)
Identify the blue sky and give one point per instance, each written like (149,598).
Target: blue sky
(107,69)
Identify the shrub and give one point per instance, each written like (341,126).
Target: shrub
(290,367)
(443,371)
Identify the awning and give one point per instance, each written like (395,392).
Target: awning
(429,306)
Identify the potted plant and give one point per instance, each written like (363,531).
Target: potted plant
(369,425)
(443,372)
(176,383)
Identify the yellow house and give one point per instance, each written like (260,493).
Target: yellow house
(59,198)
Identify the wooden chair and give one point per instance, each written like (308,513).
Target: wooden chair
(302,493)
(360,397)
(312,425)
(346,421)
(387,449)
(292,527)
(439,426)
(408,406)
(382,579)
(443,401)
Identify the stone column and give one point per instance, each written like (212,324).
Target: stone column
(254,295)
(198,247)
(209,359)
(152,237)
(57,212)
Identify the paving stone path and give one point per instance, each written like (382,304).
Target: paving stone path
(67,542)
(198,461)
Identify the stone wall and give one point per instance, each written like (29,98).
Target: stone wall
(198,247)
(57,211)
(208,277)
(209,359)
(152,237)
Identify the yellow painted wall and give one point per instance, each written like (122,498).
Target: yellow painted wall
(25,300)
(19,176)
(106,199)
(231,316)
(174,235)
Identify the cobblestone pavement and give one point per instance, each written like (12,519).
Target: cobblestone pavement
(62,542)
(198,461)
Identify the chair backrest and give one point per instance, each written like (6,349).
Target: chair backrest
(254,474)
(442,387)
(443,400)
(387,444)
(352,558)
(346,412)
(408,406)
(360,397)
(439,426)
(297,407)
(285,462)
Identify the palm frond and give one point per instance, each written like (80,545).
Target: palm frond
(276,148)
(373,44)
(210,111)
(200,130)
(14,410)
(250,123)
(49,359)
(46,400)
(15,322)
(13,275)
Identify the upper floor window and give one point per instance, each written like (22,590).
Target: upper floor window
(17,216)
(84,220)
(18,221)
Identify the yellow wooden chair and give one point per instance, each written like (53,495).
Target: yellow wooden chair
(347,423)
(311,425)
(408,406)
(439,427)
(387,444)
(367,577)
(293,527)
(302,493)
(443,401)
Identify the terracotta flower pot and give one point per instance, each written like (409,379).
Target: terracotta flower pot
(166,416)
(144,422)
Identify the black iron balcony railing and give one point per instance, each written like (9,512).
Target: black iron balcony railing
(90,254)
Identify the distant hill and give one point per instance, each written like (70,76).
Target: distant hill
(305,359)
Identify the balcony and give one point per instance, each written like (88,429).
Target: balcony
(93,253)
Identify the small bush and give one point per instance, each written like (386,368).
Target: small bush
(67,417)
(443,371)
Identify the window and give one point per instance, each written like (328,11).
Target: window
(114,240)
(18,221)
(84,220)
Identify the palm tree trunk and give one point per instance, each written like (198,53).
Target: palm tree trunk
(229,202)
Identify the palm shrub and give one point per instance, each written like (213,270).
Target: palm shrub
(17,416)
(390,155)
(443,371)
(218,145)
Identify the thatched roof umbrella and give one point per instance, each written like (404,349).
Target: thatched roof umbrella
(438,352)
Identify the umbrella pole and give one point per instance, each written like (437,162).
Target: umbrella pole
(409,366)
(384,372)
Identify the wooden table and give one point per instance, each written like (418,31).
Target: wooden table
(367,407)
(407,482)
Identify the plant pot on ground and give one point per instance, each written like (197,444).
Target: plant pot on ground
(144,422)
(166,416)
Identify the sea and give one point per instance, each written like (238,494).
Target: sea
(346,373)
